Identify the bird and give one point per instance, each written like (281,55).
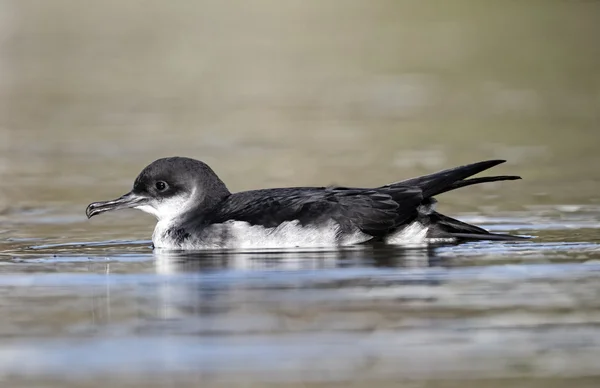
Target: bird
(195,210)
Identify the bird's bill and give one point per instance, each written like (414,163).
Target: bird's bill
(126,201)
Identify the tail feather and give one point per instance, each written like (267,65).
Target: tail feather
(441,226)
(454,178)
(476,181)
(448,180)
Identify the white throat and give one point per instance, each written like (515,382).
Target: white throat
(168,209)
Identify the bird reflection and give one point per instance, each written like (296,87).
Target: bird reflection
(233,289)
(171,262)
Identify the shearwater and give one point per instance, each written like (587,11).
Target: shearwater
(195,210)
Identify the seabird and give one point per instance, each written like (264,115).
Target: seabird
(195,210)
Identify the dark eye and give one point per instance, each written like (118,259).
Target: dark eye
(161,186)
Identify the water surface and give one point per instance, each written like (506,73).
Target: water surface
(286,94)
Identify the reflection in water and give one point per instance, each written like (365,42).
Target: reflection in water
(357,313)
(357,256)
(212,281)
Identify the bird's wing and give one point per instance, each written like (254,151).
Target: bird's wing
(372,211)
(375,211)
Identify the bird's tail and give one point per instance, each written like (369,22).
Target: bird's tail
(448,180)
(454,178)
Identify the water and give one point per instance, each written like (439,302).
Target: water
(299,93)
(116,311)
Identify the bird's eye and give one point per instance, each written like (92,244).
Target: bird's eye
(161,186)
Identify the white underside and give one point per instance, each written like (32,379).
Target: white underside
(242,235)
(414,235)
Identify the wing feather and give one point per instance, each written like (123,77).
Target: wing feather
(372,211)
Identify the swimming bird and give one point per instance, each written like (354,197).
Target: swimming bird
(195,210)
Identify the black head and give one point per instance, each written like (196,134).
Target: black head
(167,188)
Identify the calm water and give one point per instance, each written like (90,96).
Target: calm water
(299,93)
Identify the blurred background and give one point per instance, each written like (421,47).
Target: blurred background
(300,92)
(275,93)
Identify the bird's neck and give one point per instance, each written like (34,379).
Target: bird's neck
(171,230)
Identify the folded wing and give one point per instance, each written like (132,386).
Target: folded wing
(372,211)
(376,212)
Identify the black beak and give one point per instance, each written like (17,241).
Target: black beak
(127,201)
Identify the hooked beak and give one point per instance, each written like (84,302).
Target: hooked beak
(127,201)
